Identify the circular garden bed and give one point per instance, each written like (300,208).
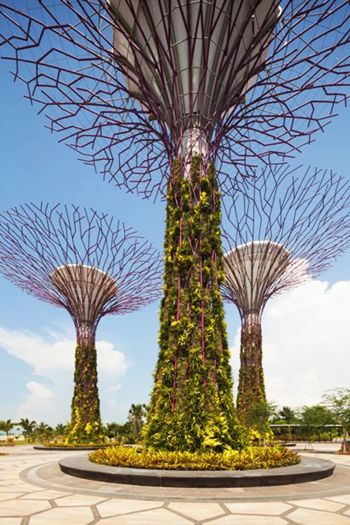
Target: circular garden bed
(309,469)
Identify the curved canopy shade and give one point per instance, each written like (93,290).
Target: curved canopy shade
(86,288)
(197,58)
(253,269)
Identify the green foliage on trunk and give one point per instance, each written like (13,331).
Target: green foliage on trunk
(251,388)
(191,405)
(85,425)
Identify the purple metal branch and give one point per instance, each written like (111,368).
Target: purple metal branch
(78,259)
(285,227)
(124,82)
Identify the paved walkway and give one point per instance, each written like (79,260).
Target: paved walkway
(33,491)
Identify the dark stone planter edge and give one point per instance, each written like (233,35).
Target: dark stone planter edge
(308,470)
(69,449)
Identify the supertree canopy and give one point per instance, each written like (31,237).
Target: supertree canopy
(287,227)
(89,264)
(153,94)
(131,84)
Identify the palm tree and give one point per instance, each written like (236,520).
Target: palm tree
(121,433)
(137,415)
(43,431)
(60,429)
(6,426)
(28,427)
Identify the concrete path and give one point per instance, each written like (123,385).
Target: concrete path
(34,492)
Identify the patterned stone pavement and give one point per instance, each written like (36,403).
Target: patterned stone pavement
(33,491)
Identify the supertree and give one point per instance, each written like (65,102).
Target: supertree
(89,264)
(287,227)
(153,94)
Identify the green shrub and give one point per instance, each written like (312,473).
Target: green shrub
(250,458)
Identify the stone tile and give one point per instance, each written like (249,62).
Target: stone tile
(317,504)
(10,521)
(9,488)
(317,517)
(68,516)
(248,520)
(20,507)
(78,500)
(149,517)
(198,511)
(113,507)
(341,499)
(44,494)
(9,495)
(18,487)
(270,508)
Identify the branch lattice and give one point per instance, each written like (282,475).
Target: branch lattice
(289,225)
(49,251)
(288,78)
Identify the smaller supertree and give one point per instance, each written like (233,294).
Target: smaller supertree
(283,229)
(89,264)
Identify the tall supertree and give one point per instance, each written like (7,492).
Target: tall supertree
(153,94)
(287,227)
(89,264)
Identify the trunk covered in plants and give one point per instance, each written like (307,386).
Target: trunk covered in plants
(251,388)
(85,425)
(191,405)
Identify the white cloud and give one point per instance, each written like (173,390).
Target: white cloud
(37,401)
(52,358)
(38,390)
(306,342)
(110,361)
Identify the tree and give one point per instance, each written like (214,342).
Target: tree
(91,265)
(258,417)
(316,415)
(43,431)
(314,418)
(281,230)
(338,402)
(28,427)
(6,426)
(162,97)
(137,416)
(120,432)
(60,429)
(287,415)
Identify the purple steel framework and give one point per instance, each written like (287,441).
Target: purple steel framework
(87,263)
(131,84)
(136,86)
(286,228)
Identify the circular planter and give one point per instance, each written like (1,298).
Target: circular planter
(310,469)
(74,449)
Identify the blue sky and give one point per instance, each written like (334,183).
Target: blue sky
(37,339)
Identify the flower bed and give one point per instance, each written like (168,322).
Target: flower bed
(248,459)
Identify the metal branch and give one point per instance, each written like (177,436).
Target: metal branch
(122,83)
(78,259)
(285,227)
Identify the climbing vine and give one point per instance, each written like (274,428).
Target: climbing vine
(191,405)
(251,388)
(85,425)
